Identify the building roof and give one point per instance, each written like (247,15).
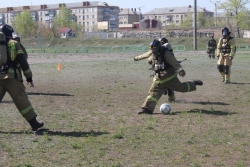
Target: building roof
(171,10)
(57,6)
(64,30)
(126,11)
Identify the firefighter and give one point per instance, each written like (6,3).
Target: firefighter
(166,69)
(16,38)
(211,47)
(167,45)
(225,53)
(11,76)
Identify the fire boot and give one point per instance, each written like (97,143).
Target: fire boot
(197,82)
(145,111)
(35,124)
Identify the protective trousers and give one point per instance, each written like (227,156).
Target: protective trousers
(16,90)
(157,90)
(211,53)
(224,67)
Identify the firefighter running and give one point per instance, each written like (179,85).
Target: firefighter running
(13,64)
(166,69)
(167,46)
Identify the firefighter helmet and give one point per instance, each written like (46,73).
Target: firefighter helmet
(7,30)
(225,32)
(164,40)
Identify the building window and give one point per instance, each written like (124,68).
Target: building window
(177,21)
(87,16)
(93,16)
(93,23)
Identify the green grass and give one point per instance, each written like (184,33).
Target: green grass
(90,113)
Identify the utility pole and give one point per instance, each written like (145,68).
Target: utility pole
(140,12)
(215,8)
(195,25)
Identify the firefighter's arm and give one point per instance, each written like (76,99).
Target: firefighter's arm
(21,59)
(219,47)
(232,47)
(170,58)
(143,56)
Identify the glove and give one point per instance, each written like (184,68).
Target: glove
(150,60)
(182,73)
(135,59)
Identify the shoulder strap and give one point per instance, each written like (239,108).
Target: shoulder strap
(3,49)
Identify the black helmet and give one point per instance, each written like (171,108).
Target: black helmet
(225,32)
(164,40)
(7,30)
(155,44)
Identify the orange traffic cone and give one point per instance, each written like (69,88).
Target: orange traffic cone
(59,66)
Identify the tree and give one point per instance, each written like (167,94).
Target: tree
(170,29)
(201,19)
(64,18)
(235,9)
(24,24)
(187,22)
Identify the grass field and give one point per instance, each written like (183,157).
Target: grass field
(90,113)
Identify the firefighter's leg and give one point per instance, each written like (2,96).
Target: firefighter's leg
(213,53)
(220,67)
(2,89)
(16,90)
(171,96)
(154,94)
(188,86)
(227,68)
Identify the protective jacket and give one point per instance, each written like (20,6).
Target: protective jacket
(212,44)
(16,62)
(226,47)
(166,67)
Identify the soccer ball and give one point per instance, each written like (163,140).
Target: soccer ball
(165,108)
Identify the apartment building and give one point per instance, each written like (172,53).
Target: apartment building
(175,14)
(86,13)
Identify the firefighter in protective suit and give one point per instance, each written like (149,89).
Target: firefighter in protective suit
(11,77)
(225,52)
(211,47)
(16,38)
(166,69)
(149,55)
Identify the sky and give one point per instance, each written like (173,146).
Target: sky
(144,5)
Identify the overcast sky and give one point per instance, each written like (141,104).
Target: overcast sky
(145,5)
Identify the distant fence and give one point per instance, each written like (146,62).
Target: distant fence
(114,49)
(240,47)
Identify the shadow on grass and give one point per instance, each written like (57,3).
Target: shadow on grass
(41,132)
(204,103)
(7,102)
(49,94)
(221,113)
(71,134)
(235,83)
(211,103)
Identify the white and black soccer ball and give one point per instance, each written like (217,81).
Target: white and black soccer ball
(165,108)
